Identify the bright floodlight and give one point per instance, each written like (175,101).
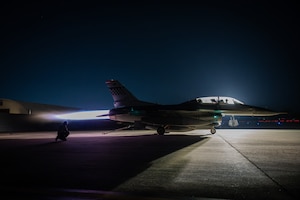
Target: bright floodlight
(85,115)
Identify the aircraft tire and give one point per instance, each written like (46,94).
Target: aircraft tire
(213,130)
(161,130)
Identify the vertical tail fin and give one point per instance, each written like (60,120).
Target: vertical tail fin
(122,97)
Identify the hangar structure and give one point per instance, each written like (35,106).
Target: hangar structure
(17,116)
(12,107)
(28,108)
(28,116)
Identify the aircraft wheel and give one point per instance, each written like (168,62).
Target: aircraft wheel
(213,130)
(161,130)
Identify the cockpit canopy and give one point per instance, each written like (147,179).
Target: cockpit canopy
(218,100)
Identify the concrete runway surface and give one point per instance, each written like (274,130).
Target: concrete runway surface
(232,164)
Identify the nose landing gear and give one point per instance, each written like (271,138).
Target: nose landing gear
(213,130)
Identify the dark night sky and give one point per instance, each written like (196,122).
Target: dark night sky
(62,52)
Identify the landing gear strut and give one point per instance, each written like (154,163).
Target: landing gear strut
(213,130)
(161,130)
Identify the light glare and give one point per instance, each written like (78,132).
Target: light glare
(85,115)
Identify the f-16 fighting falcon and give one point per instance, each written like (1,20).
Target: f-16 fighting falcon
(199,113)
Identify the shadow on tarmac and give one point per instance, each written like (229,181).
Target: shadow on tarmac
(93,163)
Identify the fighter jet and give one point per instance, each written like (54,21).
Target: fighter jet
(199,113)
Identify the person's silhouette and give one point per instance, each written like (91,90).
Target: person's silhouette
(63,131)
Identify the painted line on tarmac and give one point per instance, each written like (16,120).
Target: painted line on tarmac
(260,169)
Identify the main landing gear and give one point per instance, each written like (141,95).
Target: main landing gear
(161,130)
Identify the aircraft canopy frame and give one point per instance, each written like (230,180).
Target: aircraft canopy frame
(218,100)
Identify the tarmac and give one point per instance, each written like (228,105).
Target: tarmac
(232,164)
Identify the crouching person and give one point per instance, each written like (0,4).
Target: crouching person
(62,132)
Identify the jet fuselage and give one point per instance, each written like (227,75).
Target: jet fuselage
(200,113)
